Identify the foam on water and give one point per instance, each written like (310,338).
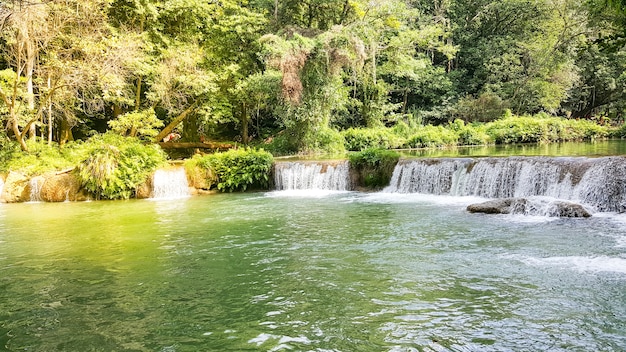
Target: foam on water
(393,198)
(305,193)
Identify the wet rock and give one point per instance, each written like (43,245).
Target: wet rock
(15,188)
(61,188)
(496,206)
(568,210)
(144,190)
(524,206)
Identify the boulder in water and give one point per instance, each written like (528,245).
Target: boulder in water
(496,206)
(61,188)
(144,190)
(568,210)
(15,188)
(554,208)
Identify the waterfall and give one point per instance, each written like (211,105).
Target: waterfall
(35,185)
(170,184)
(597,182)
(318,175)
(1,186)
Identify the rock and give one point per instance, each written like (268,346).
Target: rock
(144,190)
(496,206)
(14,190)
(200,179)
(568,210)
(61,188)
(537,207)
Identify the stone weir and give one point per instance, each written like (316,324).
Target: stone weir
(599,183)
(330,175)
(166,183)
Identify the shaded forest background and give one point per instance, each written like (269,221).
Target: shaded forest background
(294,74)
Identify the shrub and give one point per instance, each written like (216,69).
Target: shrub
(40,158)
(543,128)
(487,107)
(371,138)
(238,169)
(618,133)
(281,144)
(433,136)
(324,140)
(143,124)
(8,151)
(117,165)
(374,166)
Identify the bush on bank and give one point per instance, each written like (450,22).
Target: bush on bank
(117,165)
(509,129)
(236,169)
(374,167)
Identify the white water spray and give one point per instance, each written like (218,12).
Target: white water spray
(35,184)
(598,183)
(326,176)
(170,184)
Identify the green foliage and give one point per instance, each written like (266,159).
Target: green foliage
(619,132)
(143,124)
(8,151)
(487,107)
(433,136)
(238,169)
(368,138)
(374,166)
(117,165)
(40,158)
(543,129)
(281,144)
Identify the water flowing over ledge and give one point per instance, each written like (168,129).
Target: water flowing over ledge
(314,175)
(595,182)
(170,184)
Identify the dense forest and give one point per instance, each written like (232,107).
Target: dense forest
(306,75)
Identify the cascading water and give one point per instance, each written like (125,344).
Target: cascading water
(170,184)
(35,185)
(596,182)
(1,186)
(327,176)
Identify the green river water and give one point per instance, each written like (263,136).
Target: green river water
(284,271)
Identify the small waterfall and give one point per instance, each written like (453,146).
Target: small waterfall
(170,184)
(1,186)
(35,185)
(318,175)
(597,182)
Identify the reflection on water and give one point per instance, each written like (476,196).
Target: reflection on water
(343,272)
(599,148)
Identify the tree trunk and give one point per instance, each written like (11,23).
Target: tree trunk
(50,122)
(117,111)
(31,55)
(190,129)
(65,133)
(244,124)
(175,122)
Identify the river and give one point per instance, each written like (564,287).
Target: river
(307,271)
